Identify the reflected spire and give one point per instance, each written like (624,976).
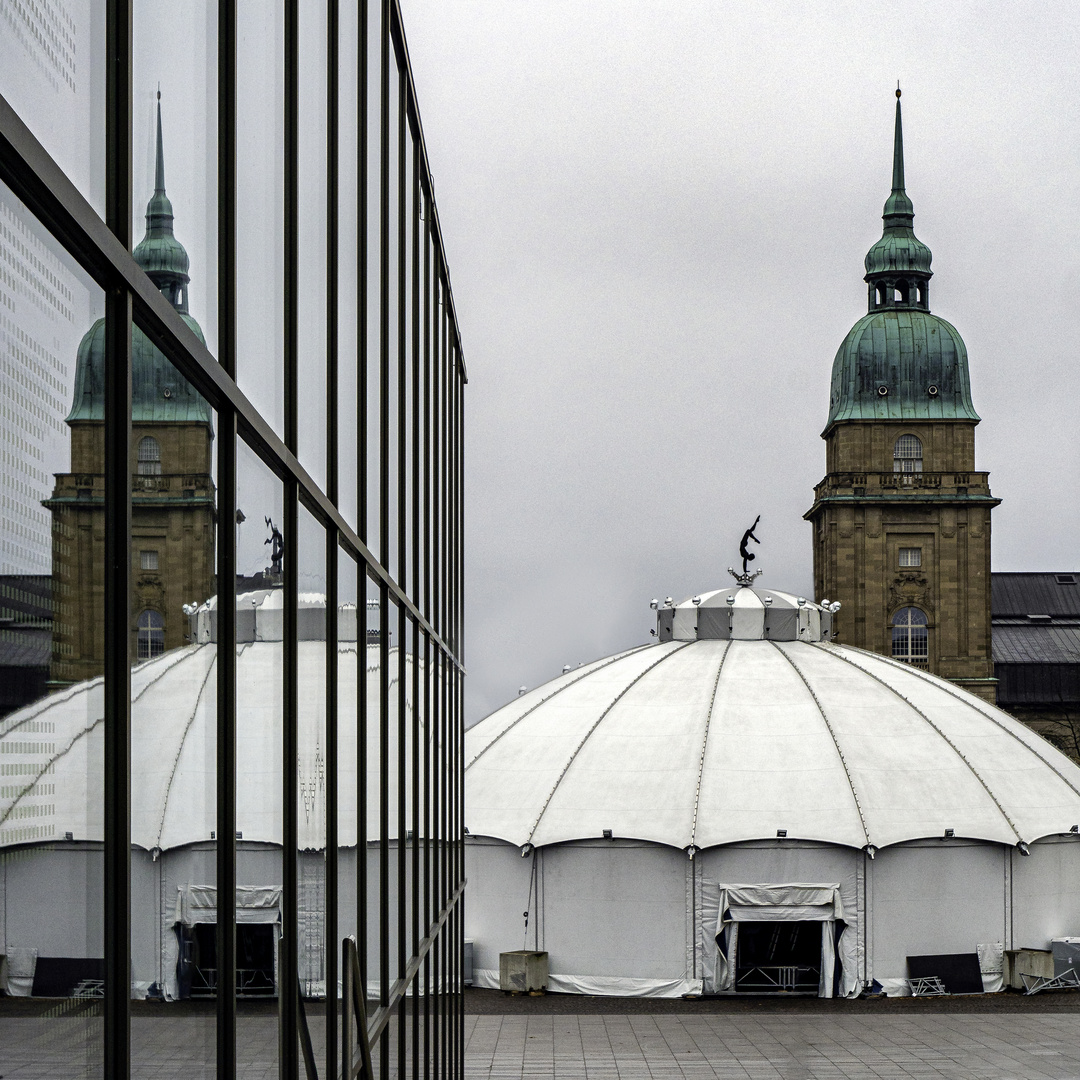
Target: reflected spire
(159,174)
(159,253)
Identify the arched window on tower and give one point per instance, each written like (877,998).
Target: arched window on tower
(911,637)
(149,456)
(907,456)
(151,634)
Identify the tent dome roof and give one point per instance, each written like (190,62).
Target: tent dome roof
(706,741)
(57,743)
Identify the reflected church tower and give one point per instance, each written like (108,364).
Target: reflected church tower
(172,514)
(902,520)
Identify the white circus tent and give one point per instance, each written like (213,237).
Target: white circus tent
(51,826)
(745,802)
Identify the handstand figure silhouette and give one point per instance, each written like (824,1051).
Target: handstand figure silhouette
(747,556)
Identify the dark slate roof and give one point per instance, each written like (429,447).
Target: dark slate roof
(1019,595)
(25,597)
(25,648)
(1036,644)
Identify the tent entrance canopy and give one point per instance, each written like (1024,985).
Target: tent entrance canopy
(778,904)
(196,905)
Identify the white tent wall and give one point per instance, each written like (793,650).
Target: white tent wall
(1045,892)
(935,896)
(613,915)
(779,862)
(616,917)
(497,893)
(50,900)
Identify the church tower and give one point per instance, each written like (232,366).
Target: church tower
(172,513)
(902,519)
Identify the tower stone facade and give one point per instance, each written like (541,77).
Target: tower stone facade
(172,514)
(902,520)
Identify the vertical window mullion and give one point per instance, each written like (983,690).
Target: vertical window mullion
(402,554)
(226,547)
(288,988)
(117,614)
(332,283)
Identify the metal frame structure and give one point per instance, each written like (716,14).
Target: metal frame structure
(417,570)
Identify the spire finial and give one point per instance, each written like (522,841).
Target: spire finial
(159,175)
(898,149)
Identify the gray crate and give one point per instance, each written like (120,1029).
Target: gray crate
(1066,952)
(523,971)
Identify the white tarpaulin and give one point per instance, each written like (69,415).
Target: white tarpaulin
(601,985)
(18,968)
(796,902)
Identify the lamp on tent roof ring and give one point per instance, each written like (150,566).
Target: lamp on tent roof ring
(949,834)
(526,850)
(691,851)
(1023,848)
(781,833)
(654,603)
(1075,829)
(870,850)
(668,602)
(608,835)
(730,600)
(695,600)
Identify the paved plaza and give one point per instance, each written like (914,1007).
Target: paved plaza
(774,1046)
(802,1043)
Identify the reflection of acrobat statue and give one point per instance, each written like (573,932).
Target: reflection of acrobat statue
(277,547)
(748,535)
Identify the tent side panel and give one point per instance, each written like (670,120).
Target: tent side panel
(935,897)
(1046,893)
(497,894)
(46,900)
(616,911)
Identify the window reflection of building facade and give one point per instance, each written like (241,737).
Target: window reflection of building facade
(146,481)
(172,505)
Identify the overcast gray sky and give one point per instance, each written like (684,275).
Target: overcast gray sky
(656,215)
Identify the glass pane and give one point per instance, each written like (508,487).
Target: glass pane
(52,489)
(347,227)
(173,716)
(260,551)
(260,291)
(310,855)
(180,85)
(52,73)
(312,218)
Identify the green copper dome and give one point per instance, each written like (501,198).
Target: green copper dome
(899,362)
(158,391)
(917,359)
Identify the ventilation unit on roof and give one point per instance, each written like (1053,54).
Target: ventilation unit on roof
(1065,579)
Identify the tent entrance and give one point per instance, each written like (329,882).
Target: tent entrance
(197,968)
(778,957)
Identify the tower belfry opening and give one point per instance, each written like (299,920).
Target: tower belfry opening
(902,519)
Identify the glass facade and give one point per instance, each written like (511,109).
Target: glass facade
(231,546)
